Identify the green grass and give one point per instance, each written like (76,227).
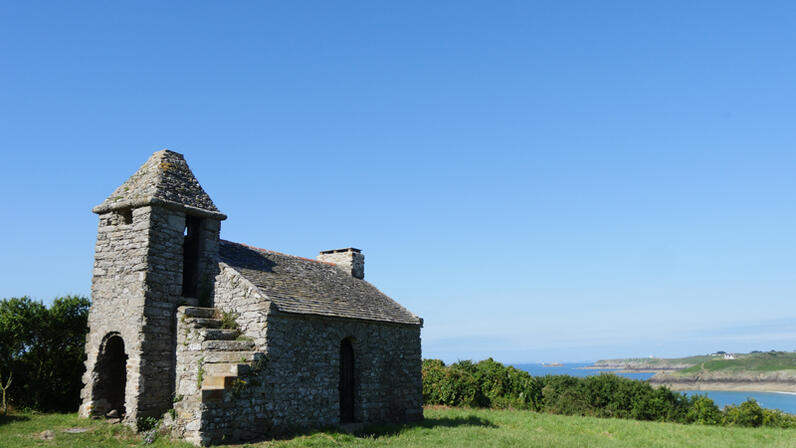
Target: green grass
(442,427)
(24,430)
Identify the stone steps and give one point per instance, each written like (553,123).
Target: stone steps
(196,311)
(215,382)
(226,360)
(227,369)
(220,334)
(227,346)
(239,357)
(205,322)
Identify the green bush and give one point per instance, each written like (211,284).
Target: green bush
(777,419)
(490,384)
(506,387)
(611,396)
(485,384)
(748,413)
(43,349)
(703,411)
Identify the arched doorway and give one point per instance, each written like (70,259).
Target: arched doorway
(346,381)
(111,377)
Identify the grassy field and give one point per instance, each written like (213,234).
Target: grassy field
(442,427)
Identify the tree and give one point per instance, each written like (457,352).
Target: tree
(5,388)
(43,349)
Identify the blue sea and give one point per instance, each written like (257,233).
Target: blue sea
(772,400)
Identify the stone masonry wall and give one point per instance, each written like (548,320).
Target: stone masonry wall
(293,382)
(304,366)
(303,359)
(164,295)
(136,289)
(235,294)
(187,416)
(117,292)
(250,402)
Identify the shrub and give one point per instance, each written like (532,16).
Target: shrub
(491,384)
(703,411)
(485,384)
(748,413)
(506,387)
(778,419)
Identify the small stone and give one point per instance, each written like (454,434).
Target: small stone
(47,435)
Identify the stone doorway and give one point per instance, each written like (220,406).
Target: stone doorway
(346,381)
(111,378)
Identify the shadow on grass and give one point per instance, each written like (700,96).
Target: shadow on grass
(4,419)
(376,431)
(371,431)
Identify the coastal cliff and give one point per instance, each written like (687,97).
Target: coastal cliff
(650,364)
(775,381)
(757,371)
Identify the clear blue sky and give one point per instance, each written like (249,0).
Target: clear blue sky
(540,181)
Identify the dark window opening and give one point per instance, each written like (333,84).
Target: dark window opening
(190,256)
(346,381)
(124,216)
(112,379)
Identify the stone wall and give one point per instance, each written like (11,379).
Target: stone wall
(186,418)
(136,289)
(292,380)
(117,291)
(304,366)
(303,360)
(164,295)
(234,294)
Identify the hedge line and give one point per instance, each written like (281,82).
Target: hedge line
(490,384)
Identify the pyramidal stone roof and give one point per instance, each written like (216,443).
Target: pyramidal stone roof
(303,286)
(164,179)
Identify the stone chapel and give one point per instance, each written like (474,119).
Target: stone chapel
(230,342)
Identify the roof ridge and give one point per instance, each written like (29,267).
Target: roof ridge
(277,253)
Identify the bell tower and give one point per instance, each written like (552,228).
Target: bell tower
(157,248)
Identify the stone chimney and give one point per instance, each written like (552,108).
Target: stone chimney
(350,260)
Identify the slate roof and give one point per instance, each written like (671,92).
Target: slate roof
(164,179)
(304,286)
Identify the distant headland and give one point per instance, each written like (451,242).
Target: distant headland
(771,371)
